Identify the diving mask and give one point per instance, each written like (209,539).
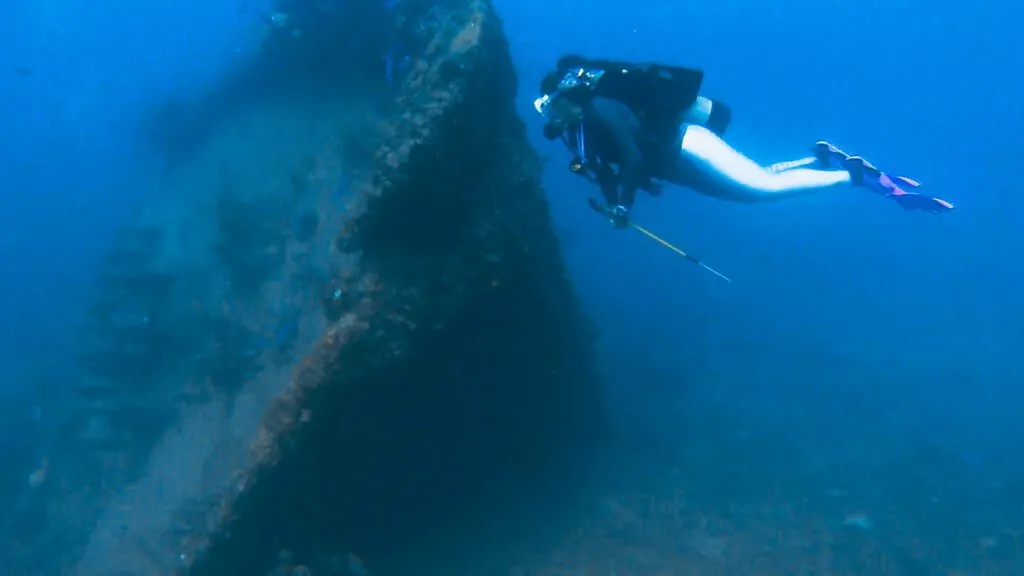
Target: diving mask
(557,109)
(541,104)
(574,79)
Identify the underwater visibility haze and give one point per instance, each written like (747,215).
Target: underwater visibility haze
(233,191)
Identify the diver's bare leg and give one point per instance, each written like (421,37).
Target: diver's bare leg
(730,175)
(791,165)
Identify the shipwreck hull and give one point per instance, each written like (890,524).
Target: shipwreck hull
(440,348)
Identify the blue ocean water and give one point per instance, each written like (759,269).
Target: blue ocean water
(862,352)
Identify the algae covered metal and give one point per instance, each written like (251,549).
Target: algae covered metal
(345,316)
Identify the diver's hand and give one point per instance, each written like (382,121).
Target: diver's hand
(619,217)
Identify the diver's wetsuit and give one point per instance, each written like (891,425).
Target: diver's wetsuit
(613,134)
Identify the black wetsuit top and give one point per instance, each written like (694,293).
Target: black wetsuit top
(613,135)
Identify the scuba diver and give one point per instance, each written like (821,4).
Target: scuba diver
(651,122)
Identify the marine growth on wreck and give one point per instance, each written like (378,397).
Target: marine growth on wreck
(345,317)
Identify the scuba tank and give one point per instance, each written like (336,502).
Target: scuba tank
(662,96)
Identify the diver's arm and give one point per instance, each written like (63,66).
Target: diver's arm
(608,180)
(613,121)
(604,175)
